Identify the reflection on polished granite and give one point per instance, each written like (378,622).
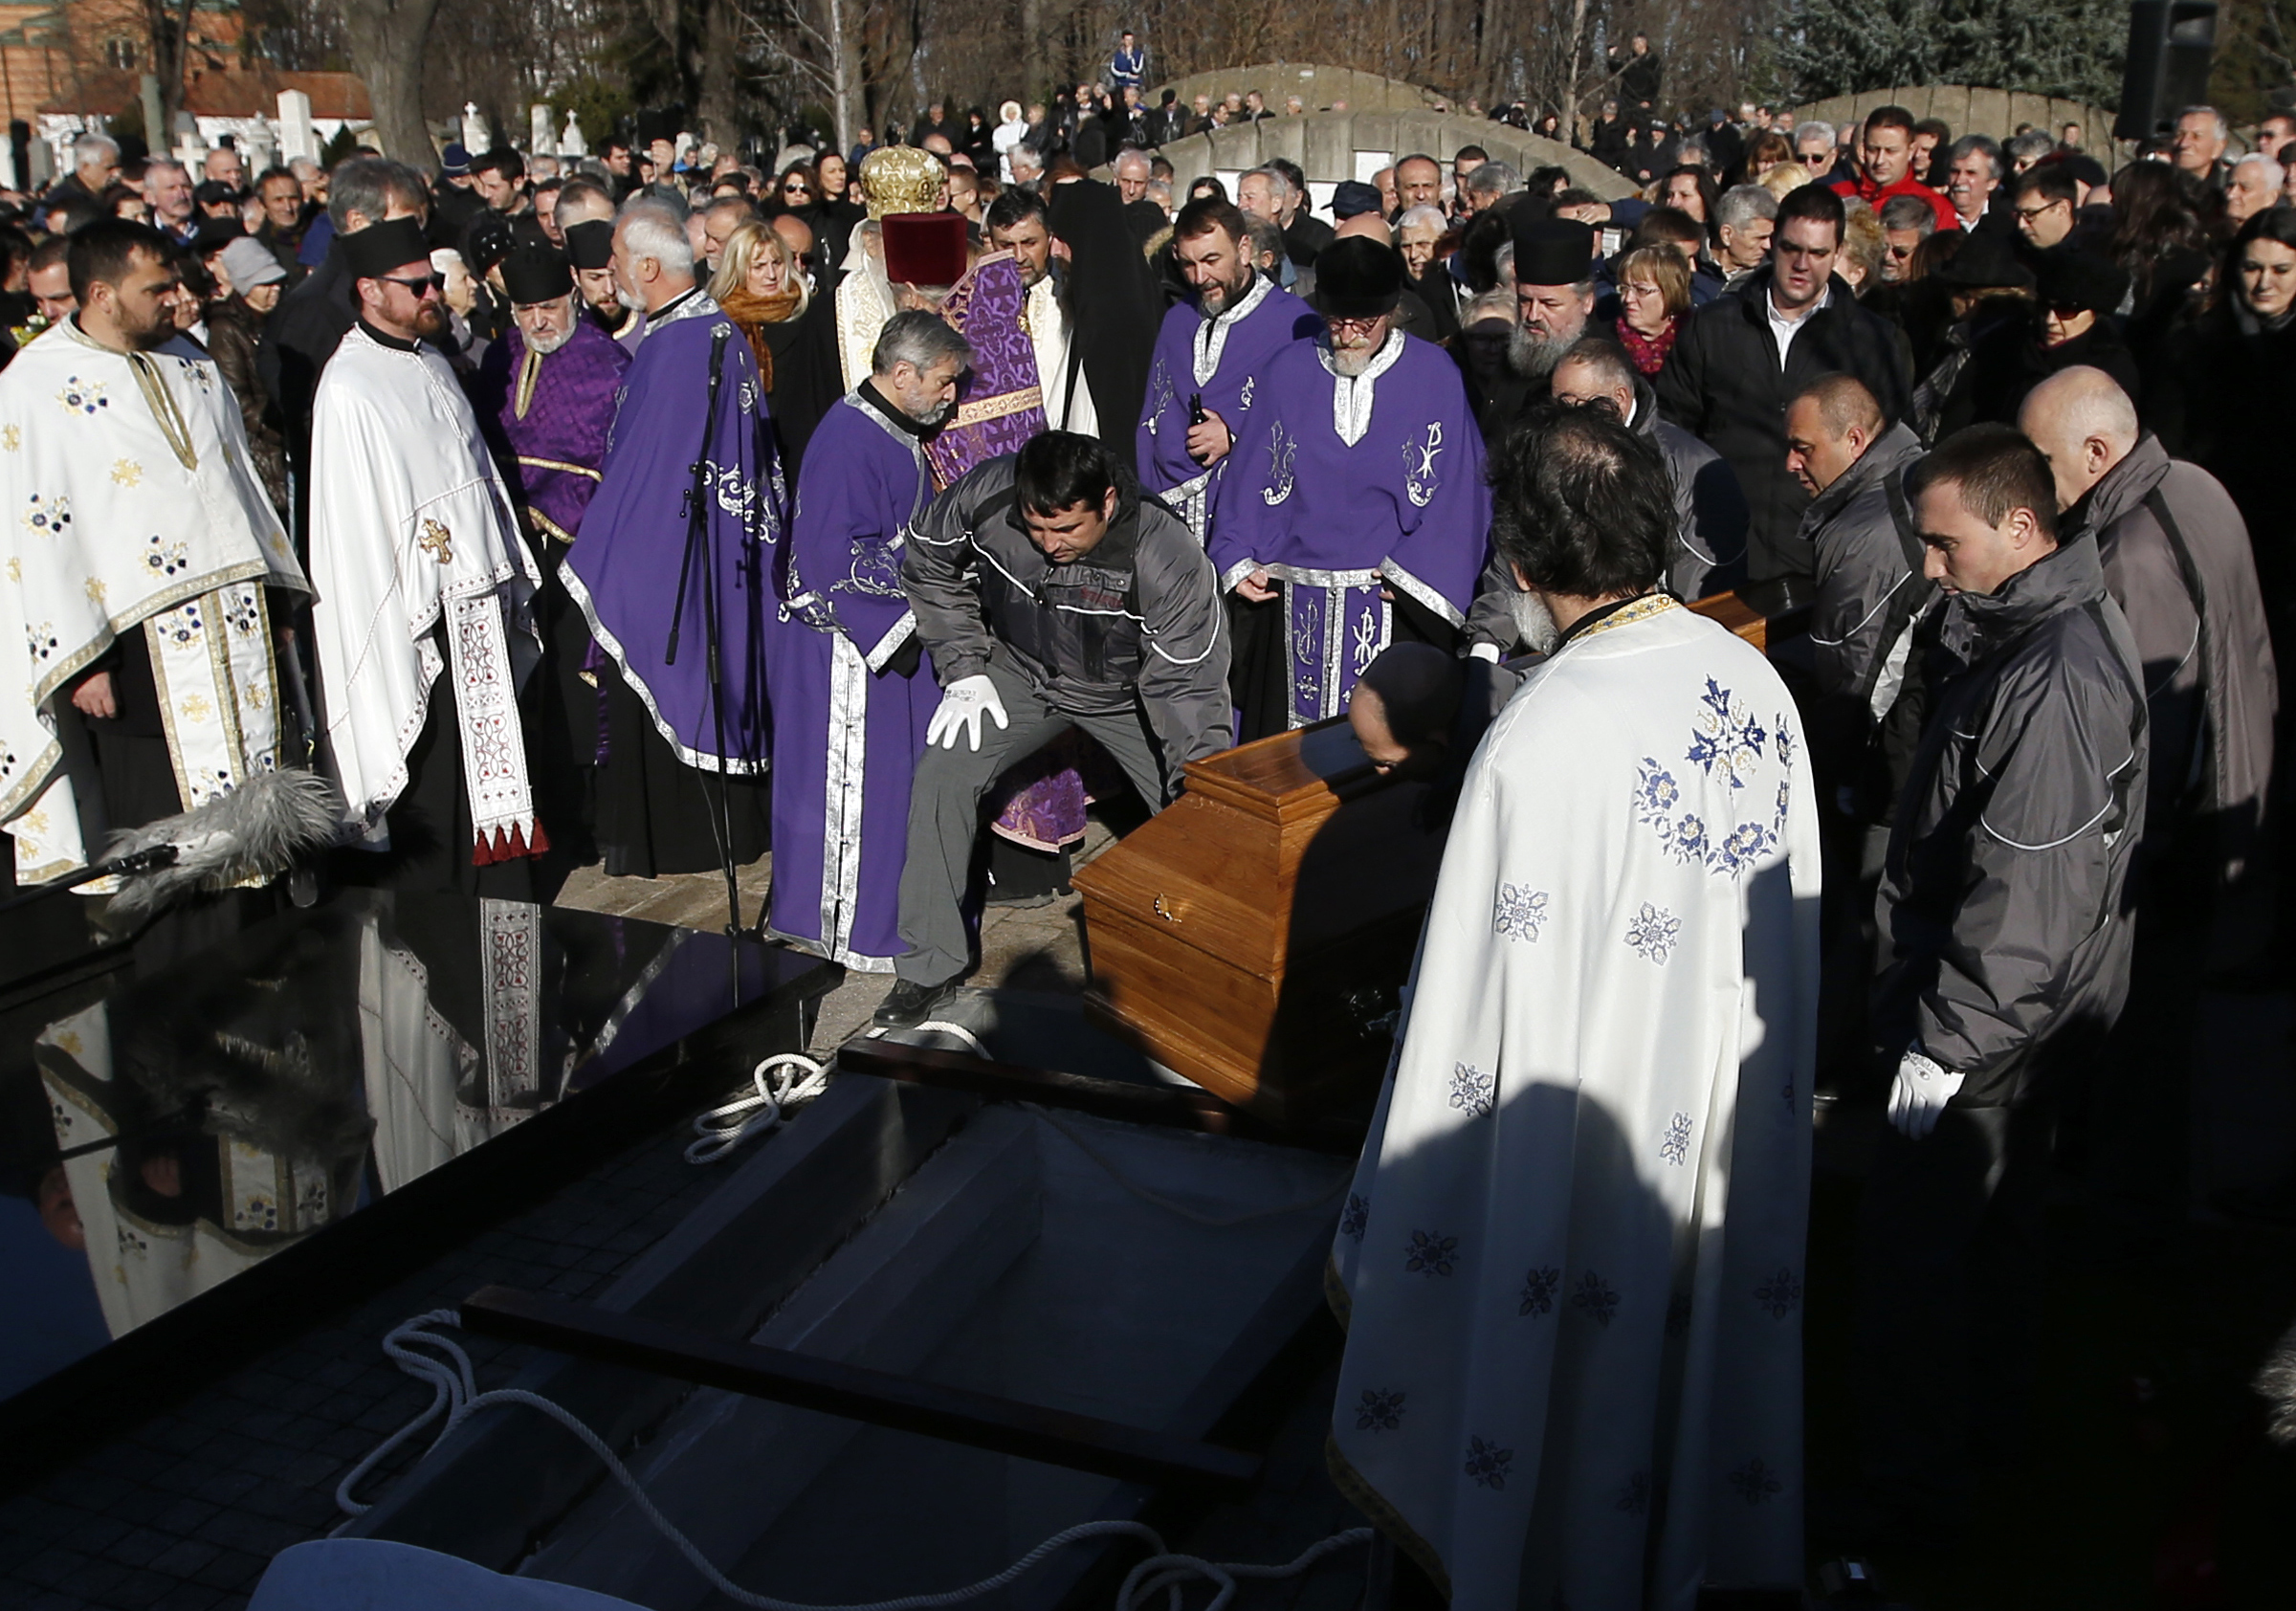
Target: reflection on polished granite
(200,1122)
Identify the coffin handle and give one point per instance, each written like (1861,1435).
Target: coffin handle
(1169,910)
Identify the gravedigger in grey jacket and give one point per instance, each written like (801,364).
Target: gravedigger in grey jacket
(1873,636)
(1050,594)
(2177,559)
(2005,924)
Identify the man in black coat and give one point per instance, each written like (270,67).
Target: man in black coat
(1748,352)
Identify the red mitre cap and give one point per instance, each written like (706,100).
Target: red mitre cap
(924,248)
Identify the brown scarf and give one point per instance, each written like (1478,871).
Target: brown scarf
(753,313)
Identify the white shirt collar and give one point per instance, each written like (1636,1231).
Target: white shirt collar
(1770,306)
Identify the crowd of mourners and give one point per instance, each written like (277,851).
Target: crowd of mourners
(882,504)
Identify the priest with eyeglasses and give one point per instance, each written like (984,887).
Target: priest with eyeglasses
(425,617)
(1354,493)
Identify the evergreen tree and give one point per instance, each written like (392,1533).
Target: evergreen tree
(2070,48)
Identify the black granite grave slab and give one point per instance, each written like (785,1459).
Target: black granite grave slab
(206,1160)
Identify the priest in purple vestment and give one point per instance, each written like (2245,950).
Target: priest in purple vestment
(545,395)
(1208,358)
(1355,497)
(673,574)
(852,692)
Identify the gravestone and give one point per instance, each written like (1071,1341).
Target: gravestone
(296,137)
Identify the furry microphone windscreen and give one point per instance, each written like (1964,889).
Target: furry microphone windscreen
(249,836)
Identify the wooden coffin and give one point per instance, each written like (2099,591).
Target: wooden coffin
(1739,616)
(1253,937)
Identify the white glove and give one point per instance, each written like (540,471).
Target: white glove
(962,704)
(1489,651)
(1919,1093)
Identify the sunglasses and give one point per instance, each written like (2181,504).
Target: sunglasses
(434,285)
(795,190)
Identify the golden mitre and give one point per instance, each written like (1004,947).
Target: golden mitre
(901,179)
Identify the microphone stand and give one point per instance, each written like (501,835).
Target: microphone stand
(701,547)
(128,865)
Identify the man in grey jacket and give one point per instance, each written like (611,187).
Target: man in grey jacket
(1870,632)
(2004,912)
(1049,594)
(2177,560)
(1708,553)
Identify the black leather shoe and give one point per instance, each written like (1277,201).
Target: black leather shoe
(910,1003)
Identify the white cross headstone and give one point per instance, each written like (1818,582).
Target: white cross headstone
(296,137)
(571,142)
(475,140)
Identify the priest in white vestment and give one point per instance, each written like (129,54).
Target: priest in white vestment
(1571,1264)
(426,597)
(1016,223)
(135,631)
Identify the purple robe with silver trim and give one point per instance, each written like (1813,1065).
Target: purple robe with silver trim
(1220,360)
(1346,491)
(848,729)
(625,571)
(554,422)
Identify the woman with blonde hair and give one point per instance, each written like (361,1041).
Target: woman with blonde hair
(1785,178)
(763,288)
(1863,242)
(1654,296)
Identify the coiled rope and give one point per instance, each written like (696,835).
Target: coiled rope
(426,1356)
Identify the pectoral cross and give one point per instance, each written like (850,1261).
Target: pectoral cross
(437,542)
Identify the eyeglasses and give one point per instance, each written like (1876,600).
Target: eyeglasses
(2029,213)
(1353,326)
(795,190)
(435,286)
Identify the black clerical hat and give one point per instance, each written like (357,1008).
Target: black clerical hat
(590,243)
(1987,261)
(1358,278)
(536,274)
(380,249)
(1552,250)
(2073,279)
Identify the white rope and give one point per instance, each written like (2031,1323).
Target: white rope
(454,1390)
(720,1130)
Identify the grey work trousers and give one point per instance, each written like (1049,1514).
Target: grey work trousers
(944,812)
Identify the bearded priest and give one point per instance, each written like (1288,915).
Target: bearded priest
(1571,1266)
(1210,356)
(853,695)
(420,571)
(545,395)
(136,615)
(1354,496)
(674,572)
